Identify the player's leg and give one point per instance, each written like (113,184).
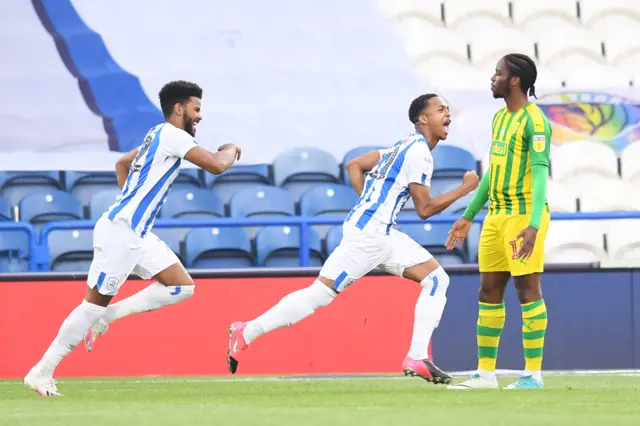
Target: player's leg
(410,260)
(173,284)
(494,277)
(357,254)
(527,277)
(115,254)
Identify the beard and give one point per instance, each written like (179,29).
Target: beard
(188,126)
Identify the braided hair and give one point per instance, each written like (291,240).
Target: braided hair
(522,66)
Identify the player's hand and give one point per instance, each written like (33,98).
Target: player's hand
(528,236)
(231,147)
(470,181)
(458,233)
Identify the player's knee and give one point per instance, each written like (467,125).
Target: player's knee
(437,282)
(321,295)
(181,292)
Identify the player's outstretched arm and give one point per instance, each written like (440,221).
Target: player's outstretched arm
(122,166)
(461,228)
(357,167)
(428,206)
(215,163)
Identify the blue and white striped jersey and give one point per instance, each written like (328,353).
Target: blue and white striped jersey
(386,186)
(150,177)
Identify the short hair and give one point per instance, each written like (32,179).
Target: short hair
(522,66)
(176,92)
(418,105)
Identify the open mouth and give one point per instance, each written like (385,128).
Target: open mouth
(445,128)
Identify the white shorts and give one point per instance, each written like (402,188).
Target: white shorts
(359,252)
(118,251)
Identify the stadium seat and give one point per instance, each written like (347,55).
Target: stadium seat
(189,177)
(451,161)
(101,201)
(278,246)
(355,153)
(237,178)
(218,248)
(623,240)
(473,18)
(70,249)
(537,16)
(403,9)
(299,169)
(172,238)
(85,184)
(332,239)
(605,17)
(440,186)
(579,164)
(488,46)
(432,236)
(610,195)
(566,49)
(328,200)
(451,45)
(192,202)
(630,162)
(262,201)
(459,76)
(15,185)
(560,198)
(567,242)
(46,206)
(409,209)
(5,209)
(14,250)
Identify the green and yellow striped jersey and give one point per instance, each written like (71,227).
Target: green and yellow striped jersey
(520,140)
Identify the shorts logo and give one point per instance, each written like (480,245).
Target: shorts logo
(347,283)
(112,284)
(539,143)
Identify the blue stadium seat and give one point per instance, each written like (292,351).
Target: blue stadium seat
(333,238)
(5,209)
(218,248)
(355,153)
(262,200)
(101,201)
(432,236)
(187,178)
(172,238)
(85,184)
(278,247)
(328,199)
(192,202)
(70,249)
(14,250)
(451,161)
(46,206)
(299,169)
(442,185)
(237,178)
(15,185)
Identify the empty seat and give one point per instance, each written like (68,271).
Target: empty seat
(619,45)
(328,199)
(565,50)
(451,161)
(623,240)
(451,45)
(5,209)
(591,77)
(432,236)
(605,17)
(333,239)
(578,164)
(459,76)
(172,237)
(352,154)
(537,16)
(262,201)
(70,249)
(218,248)
(472,18)
(237,178)
(48,206)
(14,250)
(15,185)
(610,195)
(441,186)
(402,9)
(278,246)
(299,169)
(101,201)
(188,177)
(488,46)
(567,242)
(630,162)
(85,184)
(192,202)
(561,198)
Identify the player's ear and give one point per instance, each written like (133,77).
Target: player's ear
(422,118)
(178,109)
(514,81)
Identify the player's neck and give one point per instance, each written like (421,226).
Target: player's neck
(432,141)
(516,101)
(175,121)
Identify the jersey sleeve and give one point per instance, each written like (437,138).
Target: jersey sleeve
(419,165)
(538,138)
(178,143)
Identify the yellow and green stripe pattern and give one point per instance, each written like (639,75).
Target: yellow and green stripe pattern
(491,318)
(534,326)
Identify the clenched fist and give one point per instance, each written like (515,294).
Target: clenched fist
(470,181)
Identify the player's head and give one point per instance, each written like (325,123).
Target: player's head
(180,102)
(514,72)
(431,114)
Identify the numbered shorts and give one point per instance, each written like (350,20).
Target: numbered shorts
(359,252)
(497,250)
(118,251)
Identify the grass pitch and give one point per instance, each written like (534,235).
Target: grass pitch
(566,400)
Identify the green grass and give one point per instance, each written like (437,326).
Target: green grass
(566,400)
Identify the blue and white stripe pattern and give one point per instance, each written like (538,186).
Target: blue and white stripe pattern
(386,187)
(150,177)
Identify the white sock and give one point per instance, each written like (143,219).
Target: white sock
(536,374)
(429,309)
(291,309)
(153,297)
(79,321)
(487,375)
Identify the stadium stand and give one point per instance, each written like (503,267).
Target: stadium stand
(218,248)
